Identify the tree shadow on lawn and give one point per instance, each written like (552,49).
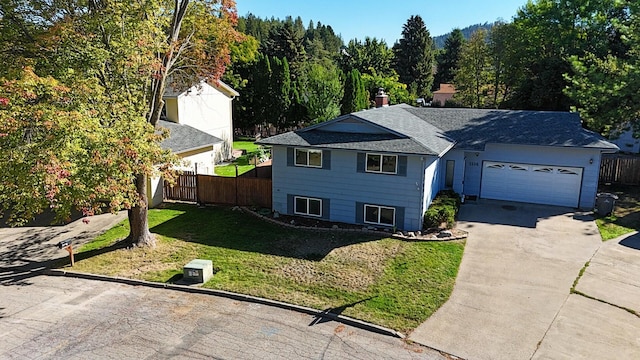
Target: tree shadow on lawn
(226,228)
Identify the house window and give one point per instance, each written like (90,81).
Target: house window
(379,215)
(448,177)
(309,158)
(308,206)
(384,164)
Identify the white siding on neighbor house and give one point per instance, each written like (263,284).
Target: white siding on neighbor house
(155,190)
(203,161)
(206,109)
(587,159)
(344,186)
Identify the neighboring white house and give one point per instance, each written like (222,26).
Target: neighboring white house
(205,107)
(194,147)
(200,126)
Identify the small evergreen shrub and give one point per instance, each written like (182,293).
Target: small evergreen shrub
(443,209)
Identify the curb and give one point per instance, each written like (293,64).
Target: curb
(234,296)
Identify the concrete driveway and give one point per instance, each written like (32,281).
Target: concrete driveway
(601,321)
(519,264)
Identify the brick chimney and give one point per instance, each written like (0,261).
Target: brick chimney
(382,99)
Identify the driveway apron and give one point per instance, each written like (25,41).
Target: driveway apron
(519,264)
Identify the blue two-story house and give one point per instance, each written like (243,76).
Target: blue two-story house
(383,167)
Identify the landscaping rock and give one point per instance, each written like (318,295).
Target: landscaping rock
(293,222)
(276,215)
(335,227)
(399,233)
(445,233)
(411,234)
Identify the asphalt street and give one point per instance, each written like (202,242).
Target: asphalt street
(57,317)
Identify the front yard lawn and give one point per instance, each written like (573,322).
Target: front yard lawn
(389,282)
(626,215)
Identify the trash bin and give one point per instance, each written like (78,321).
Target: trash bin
(605,203)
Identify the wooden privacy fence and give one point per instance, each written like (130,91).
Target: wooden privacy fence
(185,188)
(620,169)
(208,189)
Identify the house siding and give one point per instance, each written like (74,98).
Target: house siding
(431,183)
(207,109)
(345,187)
(543,155)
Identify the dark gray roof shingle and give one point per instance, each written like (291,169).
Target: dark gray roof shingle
(184,137)
(432,131)
(474,128)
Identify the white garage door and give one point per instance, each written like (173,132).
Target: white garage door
(540,184)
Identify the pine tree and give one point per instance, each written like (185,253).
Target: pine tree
(448,59)
(356,96)
(414,56)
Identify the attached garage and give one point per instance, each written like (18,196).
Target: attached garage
(540,184)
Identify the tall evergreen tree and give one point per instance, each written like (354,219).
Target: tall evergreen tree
(281,92)
(356,96)
(286,42)
(414,56)
(448,59)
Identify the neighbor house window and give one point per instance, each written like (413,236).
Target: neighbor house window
(385,164)
(309,158)
(379,215)
(308,206)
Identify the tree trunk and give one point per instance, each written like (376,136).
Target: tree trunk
(139,234)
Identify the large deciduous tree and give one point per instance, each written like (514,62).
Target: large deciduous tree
(130,52)
(473,75)
(414,56)
(606,88)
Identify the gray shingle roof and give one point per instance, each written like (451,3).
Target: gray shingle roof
(432,131)
(184,137)
(473,128)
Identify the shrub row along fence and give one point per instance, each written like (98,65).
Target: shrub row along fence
(208,189)
(620,169)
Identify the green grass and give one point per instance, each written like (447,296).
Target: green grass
(244,162)
(626,214)
(385,281)
(249,146)
(610,227)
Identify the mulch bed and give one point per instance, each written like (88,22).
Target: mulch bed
(310,223)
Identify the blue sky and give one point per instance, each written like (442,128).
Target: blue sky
(384,19)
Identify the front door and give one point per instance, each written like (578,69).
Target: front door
(472,171)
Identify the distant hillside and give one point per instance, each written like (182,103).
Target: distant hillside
(439,40)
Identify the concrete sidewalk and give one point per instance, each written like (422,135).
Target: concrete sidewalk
(519,264)
(600,324)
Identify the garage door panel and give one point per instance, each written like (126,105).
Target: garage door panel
(541,184)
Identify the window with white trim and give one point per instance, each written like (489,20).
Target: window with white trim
(308,158)
(307,206)
(379,215)
(384,164)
